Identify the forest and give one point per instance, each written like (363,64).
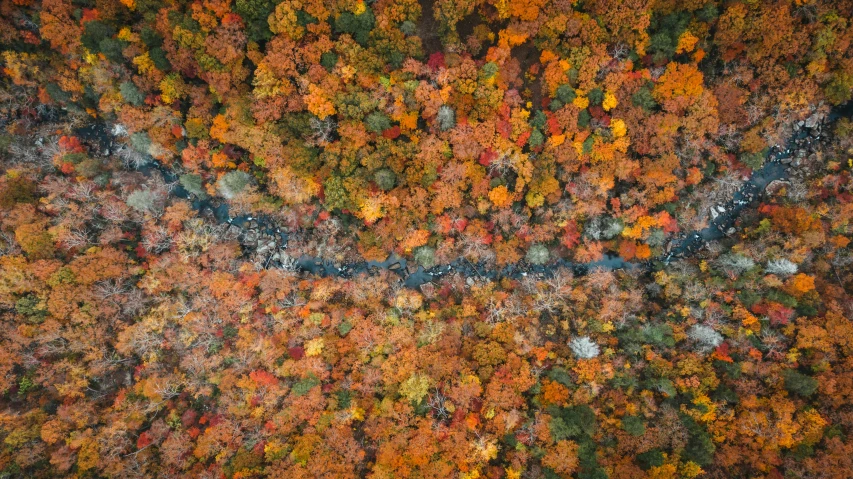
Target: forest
(452,239)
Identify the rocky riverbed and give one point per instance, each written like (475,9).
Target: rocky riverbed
(261,236)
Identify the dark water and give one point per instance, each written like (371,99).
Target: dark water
(773,169)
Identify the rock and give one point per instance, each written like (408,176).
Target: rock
(265,244)
(813,120)
(250,237)
(775,186)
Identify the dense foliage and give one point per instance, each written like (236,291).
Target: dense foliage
(142,339)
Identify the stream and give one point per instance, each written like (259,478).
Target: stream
(778,163)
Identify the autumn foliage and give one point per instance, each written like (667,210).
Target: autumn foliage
(147,332)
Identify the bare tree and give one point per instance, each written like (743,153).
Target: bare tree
(438,404)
